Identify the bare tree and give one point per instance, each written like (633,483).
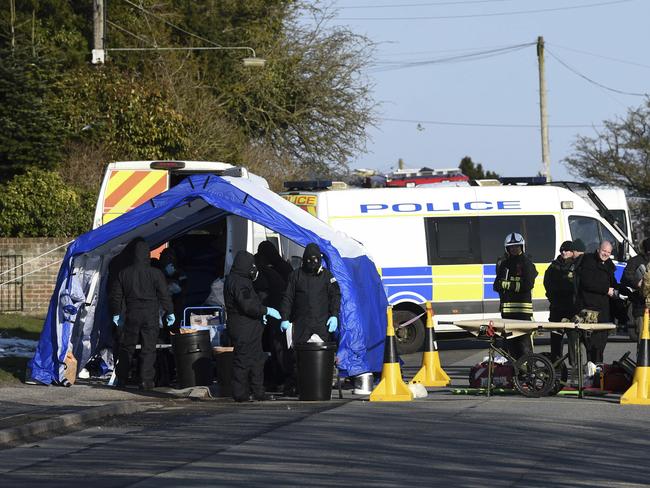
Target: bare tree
(620,156)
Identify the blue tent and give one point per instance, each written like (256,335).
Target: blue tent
(78,319)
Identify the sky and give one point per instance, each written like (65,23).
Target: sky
(439,110)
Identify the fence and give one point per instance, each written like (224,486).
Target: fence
(11,293)
(38,268)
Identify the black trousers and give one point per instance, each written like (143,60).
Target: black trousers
(521,345)
(557,336)
(248,368)
(596,346)
(141,327)
(274,341)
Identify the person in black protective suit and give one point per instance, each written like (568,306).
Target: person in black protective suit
(270,286)
(559,282)
(143,291)
(311,302)
(596,285)
(176,282)
(514,281)
(267,251)
(246,316)
(633,279)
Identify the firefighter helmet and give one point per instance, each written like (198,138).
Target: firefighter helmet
(515,239)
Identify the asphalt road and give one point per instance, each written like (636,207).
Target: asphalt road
(444,440)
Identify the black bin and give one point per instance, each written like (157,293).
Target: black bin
(315,363)
(223,361)
(193,355)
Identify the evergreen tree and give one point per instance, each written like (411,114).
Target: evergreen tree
(475,171)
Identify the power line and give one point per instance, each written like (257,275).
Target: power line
(494,14)
(429,4)
(440,51)
(493,125)
(632,63)
(456,59)
(593,82)
(128,32)
(141,8)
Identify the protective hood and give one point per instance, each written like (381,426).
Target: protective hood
(244,265)
(140,253)
(267,253)
(311,258)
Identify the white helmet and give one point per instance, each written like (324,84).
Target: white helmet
(515,239)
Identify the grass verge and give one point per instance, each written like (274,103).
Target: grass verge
(22,326)
(12,369)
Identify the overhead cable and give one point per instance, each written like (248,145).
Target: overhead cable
(593,82)
(428,4)
(478,124)
(128,32)
(624,61)
(141,8)
(493,14)
(455,59)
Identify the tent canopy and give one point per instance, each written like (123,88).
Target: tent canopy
(78,314)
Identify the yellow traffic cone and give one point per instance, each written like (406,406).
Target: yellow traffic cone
(391,388)
(431,372)
(639,392)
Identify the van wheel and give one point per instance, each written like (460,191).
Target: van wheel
(410,338)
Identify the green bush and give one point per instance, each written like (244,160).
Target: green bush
(39,204)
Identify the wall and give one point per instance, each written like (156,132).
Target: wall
(38,286)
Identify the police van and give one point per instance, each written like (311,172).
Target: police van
(441,243)
(207,251)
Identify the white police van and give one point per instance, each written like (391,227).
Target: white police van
(441,244)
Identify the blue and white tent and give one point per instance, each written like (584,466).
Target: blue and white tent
(78,318)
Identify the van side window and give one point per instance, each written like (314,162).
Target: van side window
(452,240)
(538,231)
(586,229)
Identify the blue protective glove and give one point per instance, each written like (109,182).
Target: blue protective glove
(284,325)
(171,318)
(332,324)
(116,320)
(271,312)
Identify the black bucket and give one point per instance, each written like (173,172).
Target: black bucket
(315,363)
(193,355)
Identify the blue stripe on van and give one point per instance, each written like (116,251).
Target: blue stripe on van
(412,271)
(427,280)
(489,274)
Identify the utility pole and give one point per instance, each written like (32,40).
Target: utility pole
(542,109)
(98,54)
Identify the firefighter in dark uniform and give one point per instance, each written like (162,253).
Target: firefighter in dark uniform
(559,282)
(143,291)
(246,319)
(514,281)
(596,285)
(311,302)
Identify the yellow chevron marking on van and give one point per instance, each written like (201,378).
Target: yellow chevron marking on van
(107,217)
(116,180)
(137,191)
